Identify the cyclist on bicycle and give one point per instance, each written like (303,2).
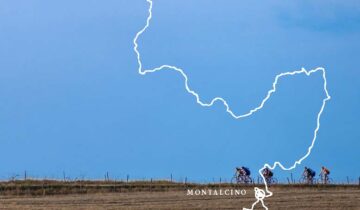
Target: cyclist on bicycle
(267,173)
(243,175)
(245,171)
(325,173)
(309,174)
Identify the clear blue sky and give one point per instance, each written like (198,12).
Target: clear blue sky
(71,98)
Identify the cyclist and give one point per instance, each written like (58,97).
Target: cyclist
(267,173)
(244,171)
(243,175)
(324,174)
(309,174)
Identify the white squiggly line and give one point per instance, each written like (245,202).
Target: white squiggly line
(259,193)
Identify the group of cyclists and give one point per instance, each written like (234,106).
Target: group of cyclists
(309,176)
(242,175)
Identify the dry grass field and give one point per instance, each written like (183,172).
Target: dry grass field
(165,195)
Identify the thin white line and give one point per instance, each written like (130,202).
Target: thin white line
(260,195)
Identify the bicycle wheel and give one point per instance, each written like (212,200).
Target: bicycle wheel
(320,180)
(302,180)
(305,180)
(234,180)
(312,180)
(329,181)
(274,181)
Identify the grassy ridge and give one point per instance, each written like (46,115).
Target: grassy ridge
(55,187)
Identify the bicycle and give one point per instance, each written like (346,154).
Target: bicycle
(270,180)
(241,179)
(324,179)
(307,179)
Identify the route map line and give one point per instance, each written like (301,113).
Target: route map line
(260,194)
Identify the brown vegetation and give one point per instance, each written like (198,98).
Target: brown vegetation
(52,194)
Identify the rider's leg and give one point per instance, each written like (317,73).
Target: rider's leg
(326,178)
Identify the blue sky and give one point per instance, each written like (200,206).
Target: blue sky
(71,98)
